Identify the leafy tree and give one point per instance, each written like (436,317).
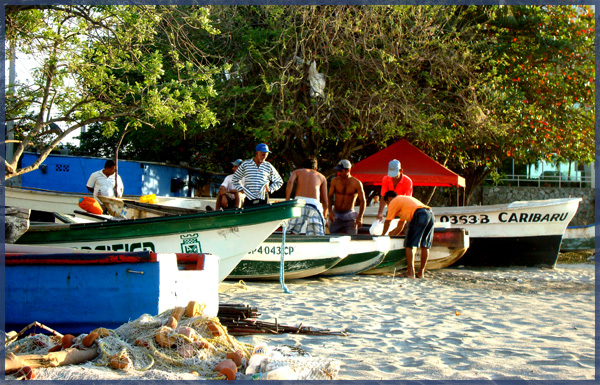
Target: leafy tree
(471,86)
(100,64)
(389,71)
(539,92)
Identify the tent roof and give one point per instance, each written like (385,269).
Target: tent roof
(423,170)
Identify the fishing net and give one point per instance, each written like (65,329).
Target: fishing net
(146,348)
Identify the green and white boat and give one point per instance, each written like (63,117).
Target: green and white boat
(366,252)
(304,256)
(230,234)
(449,245)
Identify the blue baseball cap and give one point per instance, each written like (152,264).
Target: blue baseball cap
(236,162)
(394,168)
(262,148)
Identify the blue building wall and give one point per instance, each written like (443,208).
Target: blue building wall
(70,174)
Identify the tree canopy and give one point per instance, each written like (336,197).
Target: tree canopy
(123,66)
(470,85)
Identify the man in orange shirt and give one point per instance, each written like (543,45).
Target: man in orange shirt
(420,228)
(395,181)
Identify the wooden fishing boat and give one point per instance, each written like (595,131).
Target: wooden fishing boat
(76,291)
(521,233)
(67,202)
(230,234)
(304,256)
(449,245)
(366,252)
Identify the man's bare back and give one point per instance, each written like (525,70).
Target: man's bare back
(309,184)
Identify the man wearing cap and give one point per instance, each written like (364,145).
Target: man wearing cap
(259,178)
(229,197)
(394,181)
(342,198)
(311,186)
(102,182)
(420,228)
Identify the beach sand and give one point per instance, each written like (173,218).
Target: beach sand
(457,324)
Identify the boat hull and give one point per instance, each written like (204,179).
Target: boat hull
(231,234)
(522,233)
(449,245)
(67,202)
(304,256)
(540,251)
(579,238)
(366,252)
(78,292)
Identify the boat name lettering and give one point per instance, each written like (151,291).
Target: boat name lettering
(273,250)
(464,219)
(146,246)
(532,217)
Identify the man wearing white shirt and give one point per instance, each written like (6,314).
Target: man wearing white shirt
(229,197)
(102,182)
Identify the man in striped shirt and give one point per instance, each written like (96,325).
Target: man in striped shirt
(260,178)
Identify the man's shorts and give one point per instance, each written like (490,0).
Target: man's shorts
(345,223)
(420,229)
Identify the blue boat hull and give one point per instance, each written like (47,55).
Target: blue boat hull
(77,298)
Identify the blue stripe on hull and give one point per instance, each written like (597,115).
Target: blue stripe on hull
(539,251)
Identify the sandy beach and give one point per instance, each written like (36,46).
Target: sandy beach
(457,324)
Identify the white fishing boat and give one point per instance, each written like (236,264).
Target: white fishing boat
(366,252)
(521,233)
(304,256)
(448,246)
(67,202)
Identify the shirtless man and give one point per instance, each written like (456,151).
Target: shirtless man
(346,189)
(311,186)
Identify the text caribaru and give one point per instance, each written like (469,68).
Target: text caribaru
(505,218)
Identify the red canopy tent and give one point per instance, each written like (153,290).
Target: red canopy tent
(419,167)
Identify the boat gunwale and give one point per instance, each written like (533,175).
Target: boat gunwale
(516,205)
(149,227)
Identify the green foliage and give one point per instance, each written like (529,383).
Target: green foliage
(108,64)
(539,89)
(469,85)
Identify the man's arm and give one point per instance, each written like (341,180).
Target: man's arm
(363,203)
(381,207)
(398,229)
(276,181)
(386,226)
(237,177)
(323,195)
(330,199)
(90,183)
(290,186)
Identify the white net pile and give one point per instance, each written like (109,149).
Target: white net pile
(147,348)
(306,368)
